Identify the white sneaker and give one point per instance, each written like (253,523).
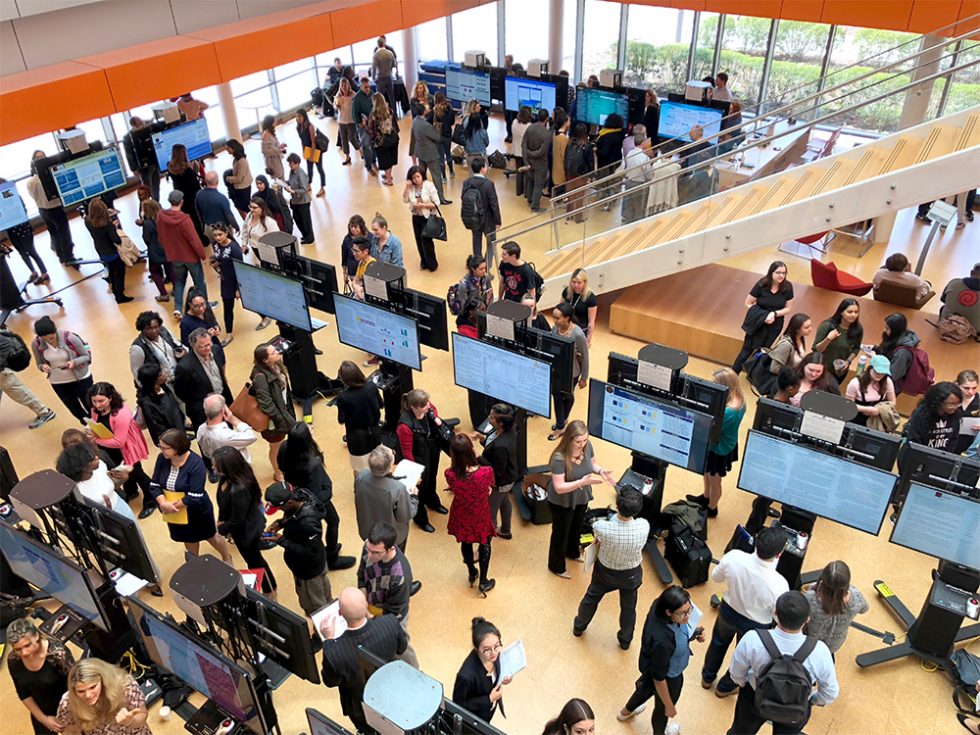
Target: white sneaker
(626,718)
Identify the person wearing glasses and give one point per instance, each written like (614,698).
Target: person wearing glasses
(664,655)
(478,686)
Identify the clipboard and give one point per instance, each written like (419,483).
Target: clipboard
(179,518)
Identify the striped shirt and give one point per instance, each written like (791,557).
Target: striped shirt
(621,542)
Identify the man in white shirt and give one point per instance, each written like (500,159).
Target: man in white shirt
(621,539)
(751,659)
(753,587)
(721,91)
(223,429)
(637,174)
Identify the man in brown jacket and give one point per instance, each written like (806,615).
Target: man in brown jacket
(183,248)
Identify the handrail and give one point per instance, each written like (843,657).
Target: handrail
(757,144)
(819,96)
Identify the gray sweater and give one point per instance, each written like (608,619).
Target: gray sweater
(832,629)
(580,366)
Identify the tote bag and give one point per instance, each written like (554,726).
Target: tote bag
(435,227)
(247,409)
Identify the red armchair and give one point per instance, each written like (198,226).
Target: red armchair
(826,275)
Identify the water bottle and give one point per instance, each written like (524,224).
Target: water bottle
(862,363)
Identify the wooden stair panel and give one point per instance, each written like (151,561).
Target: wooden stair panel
(970,133)
(722,210)
(800,187)
(869,166)
(747,204)
(903,154)
(771,198)
(939,142)
(696,223)
(836,176)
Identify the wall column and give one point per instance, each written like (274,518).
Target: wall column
(410,57)
(556,23)
(228,111)
(914,111)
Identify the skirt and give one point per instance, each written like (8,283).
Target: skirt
(720,464)
(273,436)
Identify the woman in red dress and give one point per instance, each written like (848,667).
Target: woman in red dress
(469,515)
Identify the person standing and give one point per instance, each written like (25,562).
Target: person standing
(359,412)
(154,344)
(759,648)
(417,430)
(271,387)
(834,603)
(239,182)
(753,587)
(579,164)
(11,385)
(225,252)
(22,239)
(517,277)
(575,718)
(240,513)
(636,175)
(53,214)
(559,143)
(573,473)
(148,172)
(871,388)
(157,264)
(480,210)
(361,112)
(385,245)
(272,149)
(621,539)
(469,514)
(478,686)
(444,121)
(182,245)
(839,338)
(535,149)
(475,138)
(311,152)
(213,207)
(427,140)
(300,534)
(158,406)
(380,498)
(39,668)
(102,699)
(344,101)
(223,429)
(609,155)
(500,454)
(383,127)
(724,453)
(664,655)
(422,199)
(200,373)
(935,420)
(768,302)
(342,667)
(66,359)
(382,69)
(565,400)
(105,236)
(298,186)
(585,306)
(187,180)
(198,315)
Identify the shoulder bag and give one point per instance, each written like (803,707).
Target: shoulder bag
(435,226)
(246,407)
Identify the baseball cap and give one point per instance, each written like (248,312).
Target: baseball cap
(881,364)
(175,197)
(279,492)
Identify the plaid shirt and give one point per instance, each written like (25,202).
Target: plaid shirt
(621,542)
(387,584)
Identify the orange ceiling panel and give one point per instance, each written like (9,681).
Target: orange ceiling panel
(52,97)
(156,70)
(888,14)
(928,16)
(687,4)
(416,12)
(757,8)
(362,22)
(805,10)
(968,9)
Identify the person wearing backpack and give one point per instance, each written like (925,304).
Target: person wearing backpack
(65,358)
(753,588)
(782,673)
(909,363)
(480,210)
(14,357)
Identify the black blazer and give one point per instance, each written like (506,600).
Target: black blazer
(359,410)
(192,385)
(490,204)
(383,636)
(473,686)
(501,454)
(161,412)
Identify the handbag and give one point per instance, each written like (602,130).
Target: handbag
(322,141)
(128,252)
(246,407)
(459,136)
(435,227)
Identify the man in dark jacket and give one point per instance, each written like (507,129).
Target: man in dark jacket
(300,534)
(427,141)
(500,453)
(200,373)
(148,172)
(491,210)
(212,206)
(361,111)
(342,668)
(535,149)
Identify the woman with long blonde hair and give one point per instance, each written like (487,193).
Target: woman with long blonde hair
(584,305)
(573,473)
(383,129)
(725,452)
(102,699)
(421,104)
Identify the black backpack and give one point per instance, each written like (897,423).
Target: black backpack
(471,209)
(537,281)
(13,352)
(784,686)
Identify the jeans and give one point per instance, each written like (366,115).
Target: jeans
(500,501)
(566,527)
(604,581)
(13,387)
(59,231)
(304,222)
(150,176)
(729,625)
(180,280)
(75,397)
(319,167)
(645,689)
(367,147)
(748,721)
(446,154)
(28,252)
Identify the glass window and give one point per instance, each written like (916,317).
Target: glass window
(704,54)
(600,46)
(475,30)
(743,43)
(93,130)
(964,90)
(15,158)
(568,38)
(797,57)
(526,30)
(249,83)
(364,50)
(295,90)
(657,45)
(431,37)
(296,67)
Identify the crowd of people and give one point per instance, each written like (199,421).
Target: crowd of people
(183,397)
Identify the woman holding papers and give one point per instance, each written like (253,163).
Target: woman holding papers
(178,487)
(478,685)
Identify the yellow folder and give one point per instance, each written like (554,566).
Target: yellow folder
(180,518)
(100,430)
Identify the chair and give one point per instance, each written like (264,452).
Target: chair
(901,294)
(816,149)
(826,275)
(804,247)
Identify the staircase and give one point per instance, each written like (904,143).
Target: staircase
(929,161)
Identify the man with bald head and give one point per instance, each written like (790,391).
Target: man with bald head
(213,206)
(223,429)
(383,636)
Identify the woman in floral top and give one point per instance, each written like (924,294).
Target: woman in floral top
(102,700)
